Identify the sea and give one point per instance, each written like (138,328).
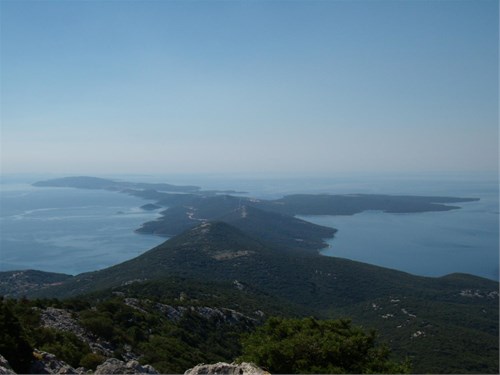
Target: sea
(77,230)
(69,230)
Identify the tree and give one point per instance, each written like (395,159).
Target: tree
(13,343)
(290,346)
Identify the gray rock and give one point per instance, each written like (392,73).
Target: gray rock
(224,315)
(62,320)
(83,370)
(172,313)
(223,368)
(47,363)
(175,314)
(5,366)
(115,366)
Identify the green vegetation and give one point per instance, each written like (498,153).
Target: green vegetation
(91,360)
(281,230)
(22,283)
(171,345)
(431,333)
(310,346)
(64,345)
(416,315)
(14,345)
(22,332)
(349,204)
(174,343)
(275,221)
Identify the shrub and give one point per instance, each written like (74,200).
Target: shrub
(13,343)
(91,360)
(290,346)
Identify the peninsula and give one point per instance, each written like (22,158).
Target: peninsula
(270,220)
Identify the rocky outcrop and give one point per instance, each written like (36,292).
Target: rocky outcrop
(47,363)
(223,315)
(62,320)
(5,366)
(223,368)
(115,366)
(227,316)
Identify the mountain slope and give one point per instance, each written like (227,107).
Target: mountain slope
(423,318)
(281,230)
(20,283)
(218,251)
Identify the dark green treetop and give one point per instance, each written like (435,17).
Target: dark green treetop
(292,346)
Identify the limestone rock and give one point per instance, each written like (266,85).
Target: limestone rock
(62,320)
(5,366)
(115,366)
(47,363)
(223,368)
(223,315)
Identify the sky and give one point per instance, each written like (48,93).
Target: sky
(297,87)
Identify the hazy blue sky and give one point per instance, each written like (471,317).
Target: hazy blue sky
(249,86)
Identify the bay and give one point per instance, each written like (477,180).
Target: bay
(69,230)
(427,244)
(434,244)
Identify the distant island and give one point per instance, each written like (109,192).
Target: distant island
(85,182)
(270,220)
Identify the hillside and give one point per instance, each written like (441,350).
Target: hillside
(21,283)
(423,318)
(282,230)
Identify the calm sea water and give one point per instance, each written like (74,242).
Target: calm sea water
(74,230)
(69,230)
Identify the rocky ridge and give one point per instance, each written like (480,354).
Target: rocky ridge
(222,368)
(5,366)
(47,363)
(224,315)
(62,320)
(67,321)
(115,366)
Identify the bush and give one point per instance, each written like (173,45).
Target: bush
(13,343)
(91,360)
(64,345)
(290,346)
(100,326)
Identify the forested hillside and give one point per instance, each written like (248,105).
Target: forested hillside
(422,318)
